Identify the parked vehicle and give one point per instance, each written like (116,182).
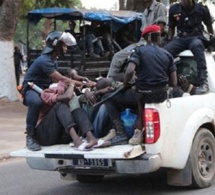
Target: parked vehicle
(87,66)
(179,137)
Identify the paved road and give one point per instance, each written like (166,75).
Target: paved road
(16,178)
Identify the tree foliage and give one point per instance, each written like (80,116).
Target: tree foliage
(28,5)
(40,32)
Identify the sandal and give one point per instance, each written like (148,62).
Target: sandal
(102,143)
(83,147)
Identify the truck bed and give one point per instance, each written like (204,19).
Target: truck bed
(61,151)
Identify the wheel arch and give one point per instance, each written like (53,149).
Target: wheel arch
(204,118)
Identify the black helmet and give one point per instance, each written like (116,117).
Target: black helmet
(54,39)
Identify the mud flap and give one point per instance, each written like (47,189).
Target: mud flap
(180,177)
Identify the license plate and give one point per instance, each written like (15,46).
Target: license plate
(92,162)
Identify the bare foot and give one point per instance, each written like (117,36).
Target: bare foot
(77,143)
(91,142)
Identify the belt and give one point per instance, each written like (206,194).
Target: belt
(152,91)
(186,34)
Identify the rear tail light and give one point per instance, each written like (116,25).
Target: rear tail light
(152,125)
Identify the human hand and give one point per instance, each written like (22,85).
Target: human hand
(184,83)
(105,90)
(90,83)
(90,97)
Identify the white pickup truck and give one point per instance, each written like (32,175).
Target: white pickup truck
(179,137)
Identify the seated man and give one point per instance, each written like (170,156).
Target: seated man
(56,124)
(93,44)
(150,86)
(188,17)
(125,35)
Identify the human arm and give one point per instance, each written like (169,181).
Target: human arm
(84,80)
(171,32)
(133,62)
(161,16)
(210,29)
(90,97)
(129,73)
(172,23)
(67,95)
(103,91)
(172,71)
(56,77)
(208,19)
(173,79)
(57,93)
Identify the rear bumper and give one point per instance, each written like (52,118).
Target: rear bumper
(145,163)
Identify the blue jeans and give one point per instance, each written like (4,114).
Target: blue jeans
(34,103)
(194,44)
(101,122)
(93,47)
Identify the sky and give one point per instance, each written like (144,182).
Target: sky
(99,4)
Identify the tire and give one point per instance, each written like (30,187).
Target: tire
(89,178)
(203,159)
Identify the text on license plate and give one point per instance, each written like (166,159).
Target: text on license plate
(92,162)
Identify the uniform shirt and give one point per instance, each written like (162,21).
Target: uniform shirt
(157,12)
(189,22)
(39,71)
(153,66)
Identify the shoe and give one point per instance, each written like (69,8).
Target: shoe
(93,55)
(119,139)
(105,54)
(31,143)
(201,89)
(137,137)
(102,144)
(110,135)
(83,147)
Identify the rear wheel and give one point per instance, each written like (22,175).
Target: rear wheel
(89,178)
(203,158)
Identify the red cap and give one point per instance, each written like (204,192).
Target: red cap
(151,29)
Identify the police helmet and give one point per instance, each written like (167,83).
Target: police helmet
(55,38)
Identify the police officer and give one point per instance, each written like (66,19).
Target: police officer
(188,17)
(154,70)
(42,72)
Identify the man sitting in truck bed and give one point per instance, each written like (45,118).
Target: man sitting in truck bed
(57,125)
(188,17)
(153,66)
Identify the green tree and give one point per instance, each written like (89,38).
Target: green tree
(40,31)
(28,5)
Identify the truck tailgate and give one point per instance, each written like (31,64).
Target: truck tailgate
(112,152)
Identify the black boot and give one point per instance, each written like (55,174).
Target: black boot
(203,87)
(121,137)
(31,143)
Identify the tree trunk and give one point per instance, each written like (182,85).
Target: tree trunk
(121,4)
(8,20)
(47,28)
(130,5)
(135,5)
